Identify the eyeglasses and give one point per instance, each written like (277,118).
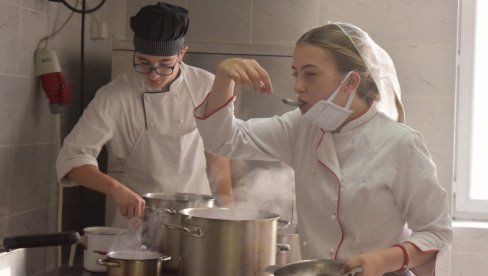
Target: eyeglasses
(160,70)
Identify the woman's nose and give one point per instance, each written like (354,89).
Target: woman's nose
(298,87)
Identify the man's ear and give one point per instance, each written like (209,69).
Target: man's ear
(182,53)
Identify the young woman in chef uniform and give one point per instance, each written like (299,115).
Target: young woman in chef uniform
(366,186)
(145,119)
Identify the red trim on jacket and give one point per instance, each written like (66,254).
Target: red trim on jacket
(205,117)
(338,200)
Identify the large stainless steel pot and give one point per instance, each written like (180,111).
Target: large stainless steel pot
(223,242)
(130,263)
(162,208)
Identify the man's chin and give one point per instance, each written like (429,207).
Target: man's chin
(153,87)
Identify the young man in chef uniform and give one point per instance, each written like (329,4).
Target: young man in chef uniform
(144,117)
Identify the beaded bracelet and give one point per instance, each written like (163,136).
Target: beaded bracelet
(406,257)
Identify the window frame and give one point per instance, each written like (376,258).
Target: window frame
(466,208)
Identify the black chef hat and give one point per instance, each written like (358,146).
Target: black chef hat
(159,29)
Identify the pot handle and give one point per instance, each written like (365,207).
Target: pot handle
(166,211)
(165,258)
(285,224)
(194,231)
(41,240)
(104,262)
(283,247)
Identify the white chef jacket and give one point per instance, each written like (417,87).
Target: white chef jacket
(151,137)
(355,189)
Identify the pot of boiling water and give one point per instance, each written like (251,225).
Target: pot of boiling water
(223,241)
(162,208)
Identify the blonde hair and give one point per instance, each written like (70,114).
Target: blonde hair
(335,42)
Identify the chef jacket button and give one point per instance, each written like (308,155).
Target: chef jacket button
(333,216)
(180,121)
(151,124)
(146,98)
(304,243)
(312,171)
(332,251)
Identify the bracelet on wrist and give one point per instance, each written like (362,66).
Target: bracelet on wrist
(406,257)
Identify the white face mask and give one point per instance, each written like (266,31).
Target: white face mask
(326,114)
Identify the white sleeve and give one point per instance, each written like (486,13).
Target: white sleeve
(82,146)
(423,201)
(256,139)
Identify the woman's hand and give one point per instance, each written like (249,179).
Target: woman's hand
(376,263)
(130,204)
(246,72)
(371,264)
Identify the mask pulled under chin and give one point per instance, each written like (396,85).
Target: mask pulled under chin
(326,115)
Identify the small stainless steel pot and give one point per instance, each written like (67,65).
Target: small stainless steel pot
(130,263)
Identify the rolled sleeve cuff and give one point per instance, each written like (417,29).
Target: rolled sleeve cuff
(65,166)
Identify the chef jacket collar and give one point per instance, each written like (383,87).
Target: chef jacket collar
(362,119)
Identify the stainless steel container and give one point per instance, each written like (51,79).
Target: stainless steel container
(162,208)
(223,242)
(130,263)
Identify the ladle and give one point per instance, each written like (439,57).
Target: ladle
(289,102)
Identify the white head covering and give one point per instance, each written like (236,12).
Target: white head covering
(381,68)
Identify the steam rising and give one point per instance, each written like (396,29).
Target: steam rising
(265,186)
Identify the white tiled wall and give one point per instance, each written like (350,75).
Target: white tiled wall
(28,140)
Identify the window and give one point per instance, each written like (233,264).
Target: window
(471,173)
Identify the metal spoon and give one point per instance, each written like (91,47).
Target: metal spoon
(289,102)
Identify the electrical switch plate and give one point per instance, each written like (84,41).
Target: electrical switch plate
(99,30)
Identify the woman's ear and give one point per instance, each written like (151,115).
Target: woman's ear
(352,83)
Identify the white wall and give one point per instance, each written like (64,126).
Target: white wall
(28,148)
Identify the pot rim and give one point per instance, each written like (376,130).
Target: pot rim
(104,230)
(151,255)
(267,216)
(179,197)
(293,264)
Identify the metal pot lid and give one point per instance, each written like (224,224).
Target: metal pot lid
(134,255)
(184,197)
(228,214)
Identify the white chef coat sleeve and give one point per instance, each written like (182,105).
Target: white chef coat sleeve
(256,139)
(423,201)
(83,144)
